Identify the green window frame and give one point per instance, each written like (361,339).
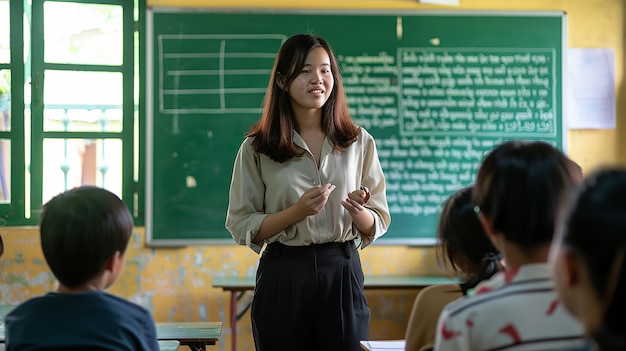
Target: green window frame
(28,178)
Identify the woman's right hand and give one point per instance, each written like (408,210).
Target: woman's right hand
(314,199)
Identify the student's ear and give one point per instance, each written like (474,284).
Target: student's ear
(113,263)
(280,81)
(113,268)
(109,265)
(488,227)
(572,268)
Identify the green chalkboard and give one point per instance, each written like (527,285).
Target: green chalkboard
(436,89)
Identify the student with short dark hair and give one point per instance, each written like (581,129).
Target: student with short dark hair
(519,188)
(84,234)
(589,258)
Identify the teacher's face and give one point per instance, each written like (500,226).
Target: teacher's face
(312,87)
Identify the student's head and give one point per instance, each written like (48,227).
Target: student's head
(519,188)
(84,231)
(463,244)
(305,76)
(589,257)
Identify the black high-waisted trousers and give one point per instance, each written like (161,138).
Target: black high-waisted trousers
(310,298)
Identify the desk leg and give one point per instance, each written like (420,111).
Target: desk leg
(195,346)
(233,320)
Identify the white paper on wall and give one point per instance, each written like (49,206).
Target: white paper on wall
(590,88)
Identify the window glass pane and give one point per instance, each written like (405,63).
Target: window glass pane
(5,170)
(5,100)
(136,11)
(69,163)
(83,101)
(136,147)
(5,52)
(82,33)
(83,118)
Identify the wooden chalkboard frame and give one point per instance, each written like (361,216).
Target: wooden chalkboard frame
(151,240)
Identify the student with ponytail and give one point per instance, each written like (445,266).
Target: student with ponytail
(588,259)
(462,247)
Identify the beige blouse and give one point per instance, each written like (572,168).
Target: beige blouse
(261,186)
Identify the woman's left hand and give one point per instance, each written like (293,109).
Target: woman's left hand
(356,200)
(362,217)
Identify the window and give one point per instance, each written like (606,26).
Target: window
(69,112)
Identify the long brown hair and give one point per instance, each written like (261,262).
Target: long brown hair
(273,133)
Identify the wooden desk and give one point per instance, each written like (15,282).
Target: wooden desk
(5,309)
(166,345)
(195,335)
(241,284)
(383,345)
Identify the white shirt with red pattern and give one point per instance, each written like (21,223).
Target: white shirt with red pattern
(514,310)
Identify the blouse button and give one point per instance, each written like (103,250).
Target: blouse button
(316,182)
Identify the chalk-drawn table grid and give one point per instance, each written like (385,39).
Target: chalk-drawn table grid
(230,72)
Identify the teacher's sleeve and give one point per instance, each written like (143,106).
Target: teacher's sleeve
(246,197)
(374,179)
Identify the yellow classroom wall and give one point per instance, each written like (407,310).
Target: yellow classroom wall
(175,283)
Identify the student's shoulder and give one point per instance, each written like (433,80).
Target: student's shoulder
(480,300)
(32,303)
(32,307)
(527,277)
(442,288)
(498,296)
(457,304)
(435,297)
(447,291)
(487,285)
(123,303)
